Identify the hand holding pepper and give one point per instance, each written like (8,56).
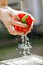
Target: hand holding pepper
(8,16)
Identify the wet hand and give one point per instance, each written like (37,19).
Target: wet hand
(9,22)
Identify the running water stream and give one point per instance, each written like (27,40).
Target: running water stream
(26,45)
(28,58)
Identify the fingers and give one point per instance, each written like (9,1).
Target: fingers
(9,22)
(31,27)
(12,31)
(6,18)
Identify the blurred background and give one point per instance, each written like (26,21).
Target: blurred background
(9,43)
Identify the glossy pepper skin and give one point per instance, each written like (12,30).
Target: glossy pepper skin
(23,18)
(21,15)
(21,29)
(29,21)
(26,19)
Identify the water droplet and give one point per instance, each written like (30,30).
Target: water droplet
(26,46)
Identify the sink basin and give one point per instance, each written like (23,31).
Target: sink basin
(24,60)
